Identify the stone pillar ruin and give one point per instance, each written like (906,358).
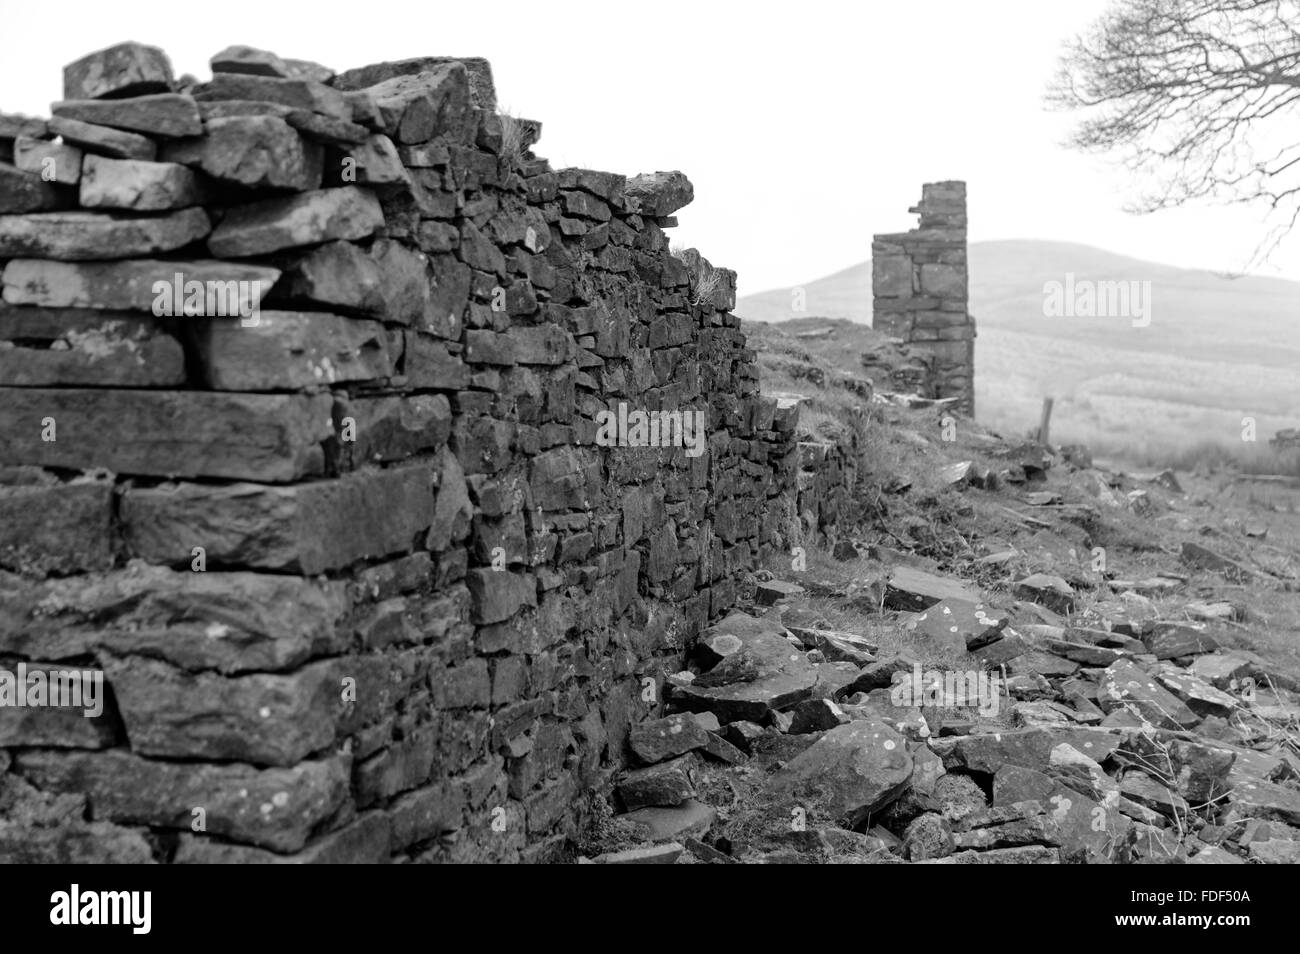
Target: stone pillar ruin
(920,285)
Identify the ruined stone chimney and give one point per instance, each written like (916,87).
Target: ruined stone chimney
(920,287)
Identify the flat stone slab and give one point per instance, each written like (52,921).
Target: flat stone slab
(27,192)
(260,152)
(56,162)
(43,347)
(667,784)
(1171,640)
(1031,748)
(295,93)
(58,527)
(88,236)
(261,437)
(138,185)
(159,114)
(661,193)
(847,774)
(666,738)
(953,626)
(128,285)
(1256,798)
(306,219)
(305,528)
(263,718)
(275,808)
(104,139)
(691,819)
(914,590)
(291,350)
(1201,697)
(761,673)
(1047,590)
(127,69)
(1124,685)
(225,622)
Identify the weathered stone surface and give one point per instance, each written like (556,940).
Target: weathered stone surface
(435,102)
(817,715)
(1257,798)
(1203,558)
(128,285)
(127,69)
(104,140)
(254,62)
(43,347)
(691,819)
(306,528)
(267,437)
(139,186)
(161,114)
(499,594)
(58,528)
(275,808)
(336,274)
(661,193)
(849,773)
(76,842)
(392,428)
(1125,685)
(1275,851)
(764,674)
(364,841)
(316,126)
(1050,591)
(1031,748)
(253,151)
(228,622)
(54,161)
(83,236)
(88,721)
(27,192)
(666,738)
(950,626)
(306,219)
(928,836)
(295,93)
(284,350)
(16,125)
(259,718)
(664,784)
(481,87)
(914,590)
(388,279)
(1171,640)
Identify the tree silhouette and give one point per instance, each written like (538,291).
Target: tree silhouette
(1197,97)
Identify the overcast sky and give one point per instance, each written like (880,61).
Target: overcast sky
(806,127)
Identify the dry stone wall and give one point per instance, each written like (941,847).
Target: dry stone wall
(920,286)
(306,383)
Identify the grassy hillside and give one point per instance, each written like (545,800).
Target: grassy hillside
(1217,349)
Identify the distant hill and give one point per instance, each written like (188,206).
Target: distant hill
(1217,349)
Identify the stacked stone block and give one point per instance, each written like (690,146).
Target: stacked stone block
(362,582)
(920,288)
